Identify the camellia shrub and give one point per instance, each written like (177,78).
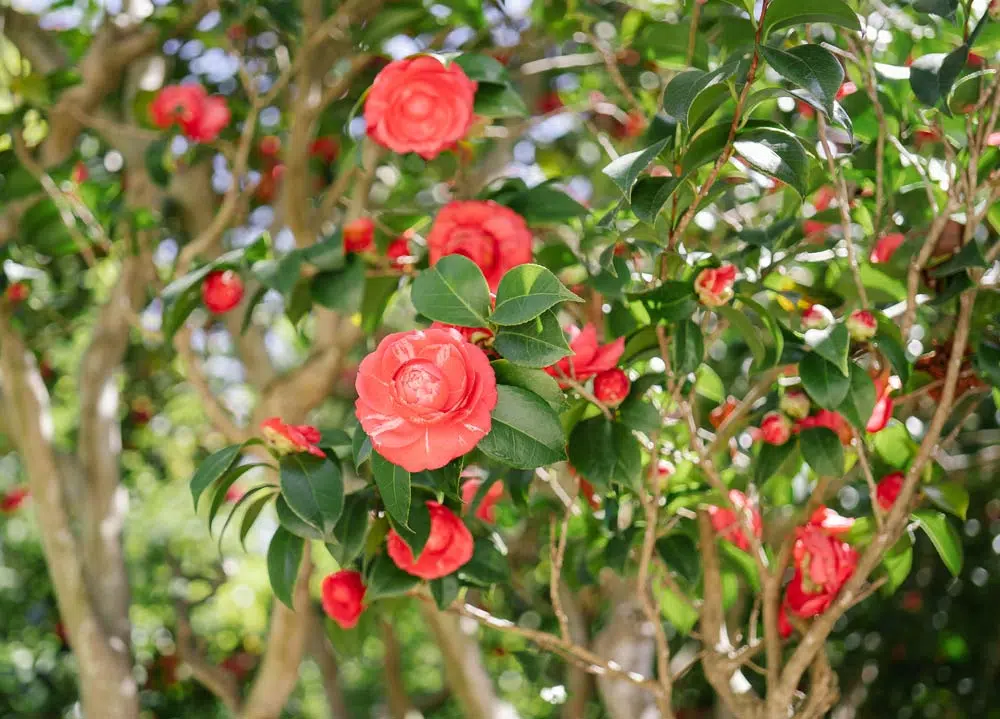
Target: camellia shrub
(587,308)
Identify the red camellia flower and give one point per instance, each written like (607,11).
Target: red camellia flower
(344,597)
(221,291)
(882,412)
(862,325)
(795,404)
(201,117)
(79,174)
(475,335)
(448,547)
(729,526)
(785,627)
(775,428)
(398,249)
(420,105)
(830,522)
(486,510)
(288,438)
(612,386)
(823,564)
(425,397)
(359,235)
(13,499)
(829,419)
(888,489)
(17,292)
(715,285)
(589,358)
(721,413)
(325,148)
(269,146)
(886,247)
(493,236)
(816,317)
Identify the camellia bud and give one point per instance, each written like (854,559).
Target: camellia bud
(715,285)
(795,404)
(862,325)
(817,317)
(16,292)
(888,489)
(776,428)
(221,291)
(359,235)
(612,386)
(886,247)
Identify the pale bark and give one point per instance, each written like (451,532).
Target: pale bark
(463,665)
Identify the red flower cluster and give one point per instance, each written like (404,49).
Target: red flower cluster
(715,285)
(289,438)
(728,524)
(486,510)
(823,563)
(420,105)
(201,117)
(589,358)
(493,236)
(13,499)
(343,597)
(449,546)
(221,291)
(425,397)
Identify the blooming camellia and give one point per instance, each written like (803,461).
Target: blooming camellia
(729,526)
(221,291)
(493,236)
(359,235)
(486,510)
(449,546)
(715,285)
(289,438)
(420,105)
(862,325)
(425,397)
(343,597)
(823,564)
(611,386)
(589,358)
(888,489)
(775,428)
(886,247)
(201,117)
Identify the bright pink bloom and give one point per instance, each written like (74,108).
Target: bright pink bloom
(486,510)
(343,595)
(589,358)
(715,285)
(448,547)
(886,247)
(289,438)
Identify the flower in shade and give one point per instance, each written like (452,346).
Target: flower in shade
(862,325)
(425,397)
(823,564)
(775,428)
(727,522)
(290,438)
(612,386)
(359,235)
(493,236)
(829,419)
(200,116)
(714,285)
(221,291)
(13,499)
(486,510)
(886,247)
(343,595)
(589,357)
(449,546)
(795,404)
(420,105)
(888,489)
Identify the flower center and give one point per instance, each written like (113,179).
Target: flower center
(420,383)
(478,246)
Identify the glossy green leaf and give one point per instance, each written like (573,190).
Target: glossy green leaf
(545,204)
(385,579)
(822,450)
(445,591)
(212,468)
(487,566)
(483,68)
(416,532)
(777,153)
(686,347)
(932,75)
(823,381)
(650,194)
(499,101)
(771,459)
(293,522)
(746,331)
(314,489)
(897,563)
(949,496)
(525,432)
(341,289)
(605,453)
(625,170)
(860,401)
(533,380)
(284,555)
(525,292)
(250,516)
(453,291)
(811,67)
(393,484)
(943,536)
(786,13)
(671,301)
(537,343)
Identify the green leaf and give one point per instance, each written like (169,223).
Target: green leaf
(650,194)
(194,277)
(987,361)
(483,68)
(545,204)
(822,450)
(533,380)
(333,437)
(499,101)
(155,159)
(280,274)
(889,341)
(739,321)
(293,522)
(525,431)
(178,310)
(445,591)
(681,615)
(686,347)
(705,147)
(931,76)
(284,555)
(952,498)
(352,529)
(823,381)
(605,453)
(832,344)
(487,566)
(393,484)
(525,292)
(222,487)
(943,536)
(708,384)
(786,13)
(669,302)
(314,489)
(968,257)
(537,343)
(898,562)
(361,447)
(385,579)
(242,501)
(777,153)
(680,554)
(216,465)
(625,170)
(342,289)
(453,291)
(418,529)
(685,87)
(640,415)
(811,67)
(250,516)
(860,401)
(771,459)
